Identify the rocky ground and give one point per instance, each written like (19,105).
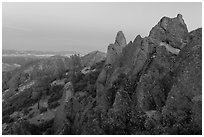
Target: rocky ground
(152,85)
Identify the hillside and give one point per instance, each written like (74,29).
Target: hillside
(92,58)
(13,59)
(148,86)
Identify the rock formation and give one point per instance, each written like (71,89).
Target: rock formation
(184,99)
(114,53)
(60,120)
(152,85)
(158,74)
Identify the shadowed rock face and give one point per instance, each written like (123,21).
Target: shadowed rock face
(133,55)
(184,98)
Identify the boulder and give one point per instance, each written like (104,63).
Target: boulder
(173,31)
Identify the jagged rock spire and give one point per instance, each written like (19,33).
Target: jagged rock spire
(120,39)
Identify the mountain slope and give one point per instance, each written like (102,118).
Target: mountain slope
(152,85)
(92,58)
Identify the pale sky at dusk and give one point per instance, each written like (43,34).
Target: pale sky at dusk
(85,27)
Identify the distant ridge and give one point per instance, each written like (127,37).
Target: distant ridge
(36,52)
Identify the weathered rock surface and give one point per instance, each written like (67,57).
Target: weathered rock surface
(113,55)
(172,31)
(120,39)
(167,38)
(156,63)
(114,50)
(60,120)
(184,101)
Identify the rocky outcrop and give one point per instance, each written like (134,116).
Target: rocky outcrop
(114,50)
(157,68)
(134,55)
(153,56)
(152,85)
(60,121)
(167,38)
(173,31)
(184,101)
(114,53)
(120,39)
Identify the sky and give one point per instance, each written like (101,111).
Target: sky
(85,27)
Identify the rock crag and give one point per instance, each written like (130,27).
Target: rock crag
(152,86)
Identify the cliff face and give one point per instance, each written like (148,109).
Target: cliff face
(185,96)
(153,56)
(152,85)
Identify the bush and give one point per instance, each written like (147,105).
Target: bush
(7,119)
(25,111)
(76,62)
(43,109)
(8,110)
(56,93)
(98,65)
(6,76)
(55,89)
(80,86)
(53,105)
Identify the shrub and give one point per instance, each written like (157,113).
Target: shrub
(7,110)
(25,111)
(43,109)
(7,119)
(53,105)
(56,93)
